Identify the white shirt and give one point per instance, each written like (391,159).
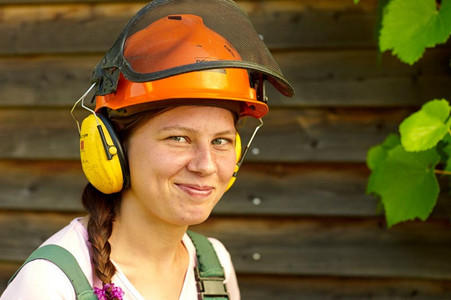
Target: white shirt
(41,279)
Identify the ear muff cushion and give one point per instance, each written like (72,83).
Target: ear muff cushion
(106,175)
(120,150)
(238,157)
(238,147)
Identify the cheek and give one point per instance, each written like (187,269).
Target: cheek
(228,167)
(141,160)
(149,161)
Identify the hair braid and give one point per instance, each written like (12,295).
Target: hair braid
(102,212)
(102,207)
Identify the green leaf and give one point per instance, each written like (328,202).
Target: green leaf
(381,4)
(448,161)
(444,148)
(407,184)
(446,152)
(425,128)
(377,155)
(356,1)
(410,26)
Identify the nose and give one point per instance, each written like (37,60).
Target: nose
(202,161)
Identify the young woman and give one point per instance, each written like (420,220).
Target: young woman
(159,150)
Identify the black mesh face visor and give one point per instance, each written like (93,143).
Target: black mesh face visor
(151,44)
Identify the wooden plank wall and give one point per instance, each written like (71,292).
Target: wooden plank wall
(297,223)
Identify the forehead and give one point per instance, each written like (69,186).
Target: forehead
(196,117)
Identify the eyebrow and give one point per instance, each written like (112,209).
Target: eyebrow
(193,130)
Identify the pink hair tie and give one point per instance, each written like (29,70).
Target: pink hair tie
(109,289)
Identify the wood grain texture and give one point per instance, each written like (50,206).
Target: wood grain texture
(7,269)
(92,27)
(261,189)
(296,246)
(335,247)
(320,288)
(289,135)
(346,78)
(322,190)
(41,185)
(349,78)
(297,223)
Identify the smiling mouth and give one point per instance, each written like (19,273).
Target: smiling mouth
(196,190)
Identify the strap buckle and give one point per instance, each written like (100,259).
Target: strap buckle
(210,287)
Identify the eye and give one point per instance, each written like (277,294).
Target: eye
(221,141)
(180,139)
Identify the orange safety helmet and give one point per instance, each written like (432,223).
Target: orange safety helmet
(174,41)
(188,49)
(175,52)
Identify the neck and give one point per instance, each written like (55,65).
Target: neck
(149,251)
(142,238)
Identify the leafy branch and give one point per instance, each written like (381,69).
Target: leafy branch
(404,168)
(411,26)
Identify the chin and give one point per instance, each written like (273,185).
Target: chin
(195,218)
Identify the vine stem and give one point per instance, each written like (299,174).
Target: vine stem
(442,172)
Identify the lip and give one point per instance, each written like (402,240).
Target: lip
(194,190)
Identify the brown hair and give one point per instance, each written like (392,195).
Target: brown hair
(102,212)
(103,208)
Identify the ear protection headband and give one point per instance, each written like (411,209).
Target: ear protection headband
(103,159)
(240,157)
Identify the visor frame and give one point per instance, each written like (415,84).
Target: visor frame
(106,73)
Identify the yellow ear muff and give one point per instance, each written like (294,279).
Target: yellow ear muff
(101,154)
(238,157)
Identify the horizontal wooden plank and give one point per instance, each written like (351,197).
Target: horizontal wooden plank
(306,247)
(323,135)
(326,190)
(302,288)
(358,78)
(85,27)
(45,81)
(288,288)
(25,231)
(336,190)
(290,135)
(31,2)
(320,78)
(48,134)
(323,190)
(44,186)
(342,4)
(335,247)
(7,269)
(68,28)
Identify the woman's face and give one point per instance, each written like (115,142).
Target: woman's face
(181,162)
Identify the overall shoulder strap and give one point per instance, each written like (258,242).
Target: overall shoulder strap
(209,272)
(68,264)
